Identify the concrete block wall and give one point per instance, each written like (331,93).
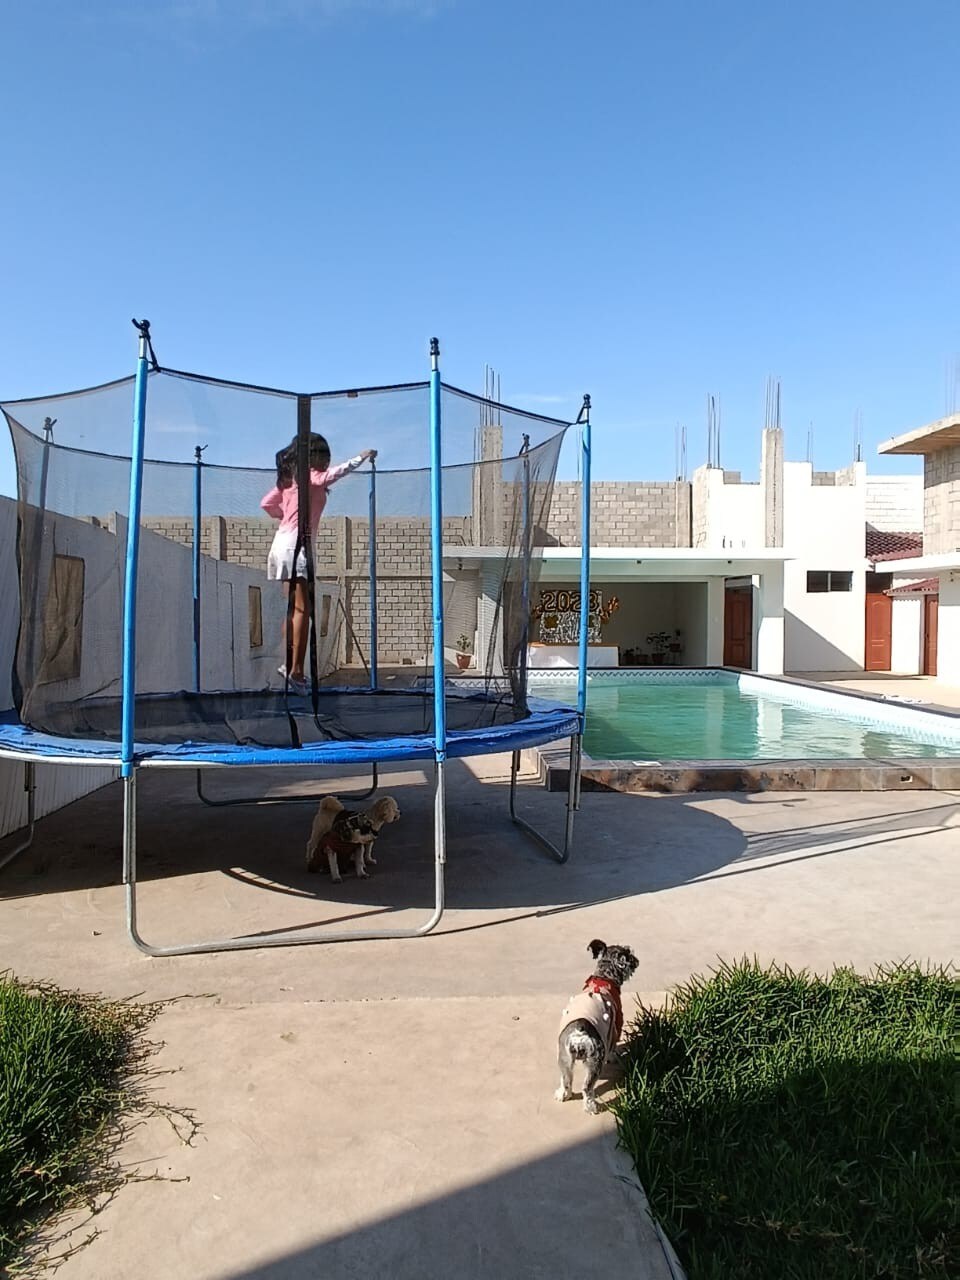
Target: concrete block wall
(895,503)
(404,608)
(941,501)
(623,514)
(180,529)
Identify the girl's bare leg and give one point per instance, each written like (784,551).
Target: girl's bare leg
(300,628)
(287,661)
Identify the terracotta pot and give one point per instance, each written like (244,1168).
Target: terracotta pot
(463,661)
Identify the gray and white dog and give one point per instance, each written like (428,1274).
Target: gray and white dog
(593,1020)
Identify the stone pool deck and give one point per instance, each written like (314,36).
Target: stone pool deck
(681,776)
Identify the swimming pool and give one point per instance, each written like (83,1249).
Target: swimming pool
(648,716)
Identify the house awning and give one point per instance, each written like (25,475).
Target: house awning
(925,587)
(925,566)
(929,439)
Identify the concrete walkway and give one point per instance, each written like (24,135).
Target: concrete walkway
(385,1108)
(926,690)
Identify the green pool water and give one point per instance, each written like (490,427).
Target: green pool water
(709,718)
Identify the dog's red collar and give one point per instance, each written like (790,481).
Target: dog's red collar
(610,990)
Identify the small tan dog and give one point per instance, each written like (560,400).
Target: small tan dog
(338,830)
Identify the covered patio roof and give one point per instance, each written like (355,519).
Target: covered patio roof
(929,439)
(945,562)
(663,562)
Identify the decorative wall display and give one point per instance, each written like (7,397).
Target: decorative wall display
(558,612)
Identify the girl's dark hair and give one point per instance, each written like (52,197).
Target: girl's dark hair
(287,459)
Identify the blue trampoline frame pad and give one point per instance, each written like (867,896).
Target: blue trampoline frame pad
(546,722)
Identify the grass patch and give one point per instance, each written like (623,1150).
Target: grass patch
(789,1126)
(67,1066)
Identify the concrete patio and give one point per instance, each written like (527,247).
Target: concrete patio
(385,1108)
(928,690)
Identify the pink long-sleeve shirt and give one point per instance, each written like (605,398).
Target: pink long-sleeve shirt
(284,504)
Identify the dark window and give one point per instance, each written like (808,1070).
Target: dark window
(255,607)
(63,621)
(829,580)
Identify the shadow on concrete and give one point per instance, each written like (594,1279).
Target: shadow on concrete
(625,846)
(576,1212)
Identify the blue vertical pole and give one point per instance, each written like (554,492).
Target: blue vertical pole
(525,571)
(197,513)
(436,554)
(585,443)
(372,537)
(128,686)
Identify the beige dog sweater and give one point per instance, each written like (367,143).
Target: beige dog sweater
(599,1004)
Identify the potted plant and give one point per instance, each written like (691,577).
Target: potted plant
(661,643)
(464,651)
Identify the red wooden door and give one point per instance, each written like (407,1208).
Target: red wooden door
(931,616)
(879,632)
(738,628)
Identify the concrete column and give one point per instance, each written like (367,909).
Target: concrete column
(771,481)
(768,622)
(715,606)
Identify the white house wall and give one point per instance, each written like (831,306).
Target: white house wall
(948,629)
(164,635)
(55,786)
(732,513)
(823,530)
(692,619)
(906,623)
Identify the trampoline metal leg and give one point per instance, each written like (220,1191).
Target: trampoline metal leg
(561,854)
(312,799)
(130,856)
(29,786)
(252,941)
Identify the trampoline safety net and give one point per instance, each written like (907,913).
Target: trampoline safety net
(215,633)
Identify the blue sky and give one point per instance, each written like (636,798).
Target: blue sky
(649,202)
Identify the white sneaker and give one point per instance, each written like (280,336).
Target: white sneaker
(298,685)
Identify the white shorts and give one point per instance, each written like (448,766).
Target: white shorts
(280,558)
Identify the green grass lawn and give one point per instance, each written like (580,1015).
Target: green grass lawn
(66,1061)
(787,1127)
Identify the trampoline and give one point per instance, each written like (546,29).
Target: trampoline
(150,636)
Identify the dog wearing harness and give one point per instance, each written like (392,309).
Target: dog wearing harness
(337,830)
(592,1021)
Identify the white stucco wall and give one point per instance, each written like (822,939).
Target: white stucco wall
(948,629)
(55,785)
(692,621)
(164,636)
(823,530)
(905,651)
(732,514)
